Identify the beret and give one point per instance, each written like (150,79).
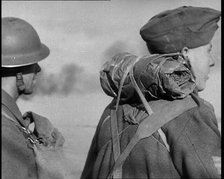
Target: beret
(172,30)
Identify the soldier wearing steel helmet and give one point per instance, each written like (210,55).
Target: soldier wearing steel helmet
(21,52)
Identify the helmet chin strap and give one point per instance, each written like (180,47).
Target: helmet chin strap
(20,83)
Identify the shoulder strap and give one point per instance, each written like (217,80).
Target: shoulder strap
(8,115)
(26,132)
(163,113)
(115,141)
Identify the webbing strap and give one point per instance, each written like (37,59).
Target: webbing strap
(7,116)
(163,138)
(115,141)
(28,134)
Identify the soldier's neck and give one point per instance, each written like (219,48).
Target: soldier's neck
(9,86)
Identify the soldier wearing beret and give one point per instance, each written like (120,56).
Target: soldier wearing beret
(192,139)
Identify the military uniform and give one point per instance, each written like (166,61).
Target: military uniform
(18,160)
(21,50)
(193,138)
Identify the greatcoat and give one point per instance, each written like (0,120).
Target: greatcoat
(193,139)
(18,160)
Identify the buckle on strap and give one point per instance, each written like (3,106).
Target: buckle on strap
(29,135)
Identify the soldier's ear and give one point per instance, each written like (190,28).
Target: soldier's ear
(185,52)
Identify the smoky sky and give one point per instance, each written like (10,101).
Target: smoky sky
(60,83)
(116,47)
(123,46)
(69,80)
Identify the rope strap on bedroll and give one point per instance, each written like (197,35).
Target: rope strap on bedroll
(114,127)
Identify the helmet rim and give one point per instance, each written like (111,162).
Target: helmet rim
(14,60)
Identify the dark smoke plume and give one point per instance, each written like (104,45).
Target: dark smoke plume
(71,79)
(61,83)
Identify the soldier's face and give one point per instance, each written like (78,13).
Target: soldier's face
(30,80)
(201,62)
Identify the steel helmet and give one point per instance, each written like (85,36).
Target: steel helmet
(21,44)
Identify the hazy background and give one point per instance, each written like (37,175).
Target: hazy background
(81,37)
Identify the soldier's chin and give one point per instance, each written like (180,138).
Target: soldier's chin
(201,88)
(27,91)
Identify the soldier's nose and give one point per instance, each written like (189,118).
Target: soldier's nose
(212,61)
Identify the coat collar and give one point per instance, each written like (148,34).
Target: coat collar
(11,105)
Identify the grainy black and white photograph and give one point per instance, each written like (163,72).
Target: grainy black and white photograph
(111,89)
